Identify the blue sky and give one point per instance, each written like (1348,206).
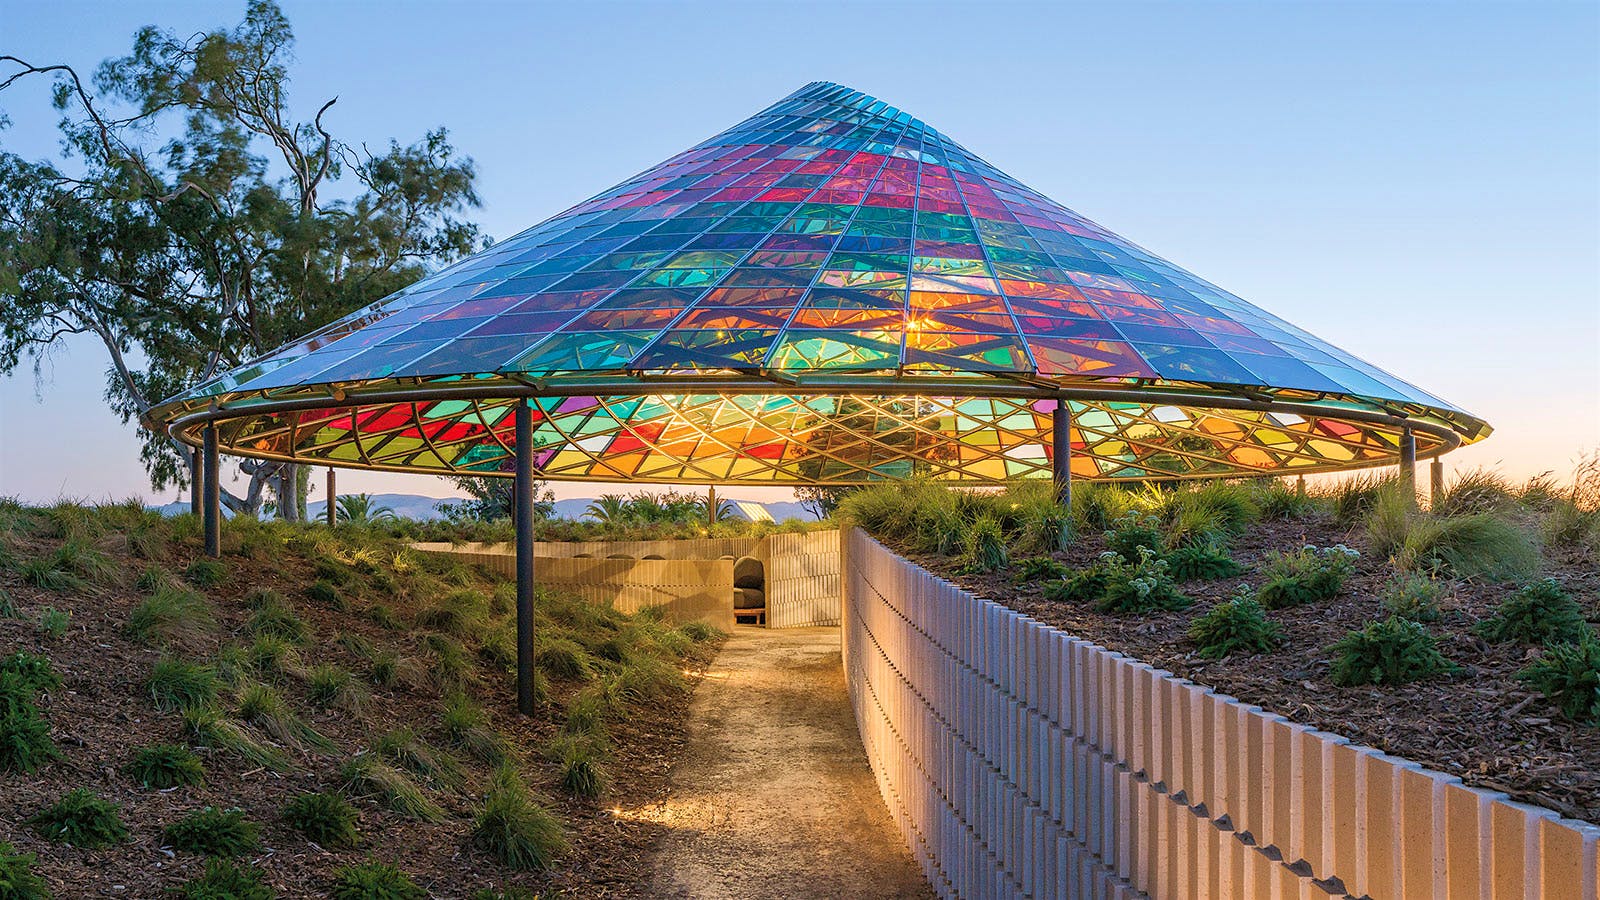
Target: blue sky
(1417,183)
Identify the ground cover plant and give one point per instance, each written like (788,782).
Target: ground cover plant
(1568,674)
(1468,659)
(165,766)
(241,688)
(82,819)
(1389,651)
(1236,626)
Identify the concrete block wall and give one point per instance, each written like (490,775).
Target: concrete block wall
(802,573)
(1019,761)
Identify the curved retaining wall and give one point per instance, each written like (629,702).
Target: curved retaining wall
(1019,761)
(802,574)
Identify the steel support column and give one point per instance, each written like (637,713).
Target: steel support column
(1408,459)
(212,503)
(1061,452)
(196,505)
(522,511)
(333,498)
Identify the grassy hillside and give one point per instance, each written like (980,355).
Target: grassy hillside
(322,712)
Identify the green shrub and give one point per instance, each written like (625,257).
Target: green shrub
(69,567)
(153,579)
(165,766)
(1195,526)
(384,617)
(1142,587)
(1132,532)
(53,623)
(1536,613)
(1045,526)
(326,819)
(515,830)
(356,644)
(374,880)
(1237,627)
(366,775)
(587,712)
(1307,575)
(986,545)
(1039,568)
(1083,584)
(1391,518)
(1568,674)
(1412,596)
(448,619)
(18,881)
(1278,500)
(466,728)
(582,762)
(1096,506)
(1470,546)
(81,819)
(1390,651)
(330,686)
(274,618)
(215,832)
(25,743)
(1201,562)
(34,672)
(1230,507)
(206,726)
(171,613)
(1572,530)
(384,669)
(8,606)
(448,662)
(1354,497)
(563,658)
(1476,491)
(324,592)
(223,879)
(47,573)
(270,656)
(265,708)
(177,684)
(205,573)
(404,748)
(701,631)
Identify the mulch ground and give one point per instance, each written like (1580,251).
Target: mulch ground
(1481,724)
(102,712)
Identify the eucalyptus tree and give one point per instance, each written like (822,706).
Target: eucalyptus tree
(195,220)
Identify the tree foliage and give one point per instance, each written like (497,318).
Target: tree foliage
(196,220)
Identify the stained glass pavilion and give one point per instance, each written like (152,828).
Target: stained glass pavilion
(829,292)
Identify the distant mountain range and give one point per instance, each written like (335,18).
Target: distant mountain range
(424,509)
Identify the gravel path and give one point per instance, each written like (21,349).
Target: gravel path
(772,796)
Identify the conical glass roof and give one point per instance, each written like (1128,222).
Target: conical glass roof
(830,291)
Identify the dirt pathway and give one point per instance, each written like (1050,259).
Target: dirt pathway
(772,796)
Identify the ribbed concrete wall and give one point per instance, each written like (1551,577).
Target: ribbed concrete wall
(690,548)
(1022,762)
(802,578)
(802,574)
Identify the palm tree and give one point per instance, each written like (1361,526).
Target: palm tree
(360,509)
(609,509)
